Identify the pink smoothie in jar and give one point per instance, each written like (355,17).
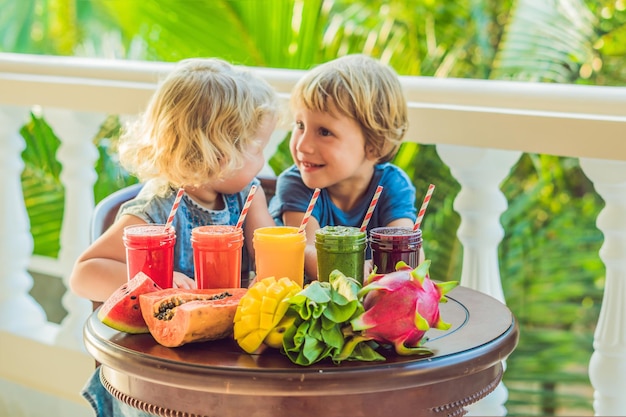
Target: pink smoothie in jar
(150,249)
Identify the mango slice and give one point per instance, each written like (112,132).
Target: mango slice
(260,310)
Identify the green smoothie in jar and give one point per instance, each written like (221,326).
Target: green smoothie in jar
(342,248)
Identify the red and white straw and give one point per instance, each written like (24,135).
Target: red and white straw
(170,218)
(309,210)
(246,207)
(370,209)
(420,215)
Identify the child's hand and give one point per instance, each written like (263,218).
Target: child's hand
(183,281)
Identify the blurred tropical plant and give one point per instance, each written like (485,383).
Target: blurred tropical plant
(556,298)
(41,185)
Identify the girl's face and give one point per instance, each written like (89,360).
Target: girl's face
(329,150)
(253,163)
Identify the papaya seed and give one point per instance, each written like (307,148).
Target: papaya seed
(166,308)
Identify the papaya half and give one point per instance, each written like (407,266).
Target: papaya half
(176,316)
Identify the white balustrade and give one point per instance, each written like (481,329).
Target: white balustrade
(78,156)
(480,204)
(607,369)
(16,246)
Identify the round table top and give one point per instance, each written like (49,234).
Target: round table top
(483,333)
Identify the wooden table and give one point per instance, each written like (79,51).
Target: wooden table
(219,379)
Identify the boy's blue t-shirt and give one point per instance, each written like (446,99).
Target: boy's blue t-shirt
(396,201)
(153,208)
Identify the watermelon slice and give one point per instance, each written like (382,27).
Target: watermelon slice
(121,310)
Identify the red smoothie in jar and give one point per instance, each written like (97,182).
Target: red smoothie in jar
(150,249)
(217,256)
(391,245)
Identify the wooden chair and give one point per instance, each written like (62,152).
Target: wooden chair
(105,211)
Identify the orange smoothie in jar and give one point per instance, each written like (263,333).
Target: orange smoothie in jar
(217,256)
(279,252)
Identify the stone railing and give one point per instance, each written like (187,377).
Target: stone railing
(480,129)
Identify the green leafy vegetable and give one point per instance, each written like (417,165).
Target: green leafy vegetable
(323,311)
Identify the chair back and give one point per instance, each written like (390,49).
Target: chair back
(105,211)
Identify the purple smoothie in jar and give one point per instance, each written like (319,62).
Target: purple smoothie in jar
(391,245)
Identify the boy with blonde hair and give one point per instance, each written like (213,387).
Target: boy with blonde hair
(350,117)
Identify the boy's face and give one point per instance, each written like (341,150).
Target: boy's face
(329,150)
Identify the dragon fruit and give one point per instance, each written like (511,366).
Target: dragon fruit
(401,306)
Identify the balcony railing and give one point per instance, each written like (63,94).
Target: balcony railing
(480,129)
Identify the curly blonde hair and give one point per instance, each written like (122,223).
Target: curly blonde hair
(199,124)
(362,88)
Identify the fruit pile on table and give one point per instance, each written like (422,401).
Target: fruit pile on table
(338,320)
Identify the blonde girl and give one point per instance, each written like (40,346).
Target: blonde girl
(204,129)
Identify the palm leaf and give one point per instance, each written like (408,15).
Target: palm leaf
(251,33)
(546,41)
(285,34)
(39,27)
(111,175)
(42,188)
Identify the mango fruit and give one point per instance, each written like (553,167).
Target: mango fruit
(260,312)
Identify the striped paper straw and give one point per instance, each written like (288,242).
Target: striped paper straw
(420,215)
(246,207)
(309,210)
(370,209)
(170,218)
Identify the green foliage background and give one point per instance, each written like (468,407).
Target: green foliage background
(551,273)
